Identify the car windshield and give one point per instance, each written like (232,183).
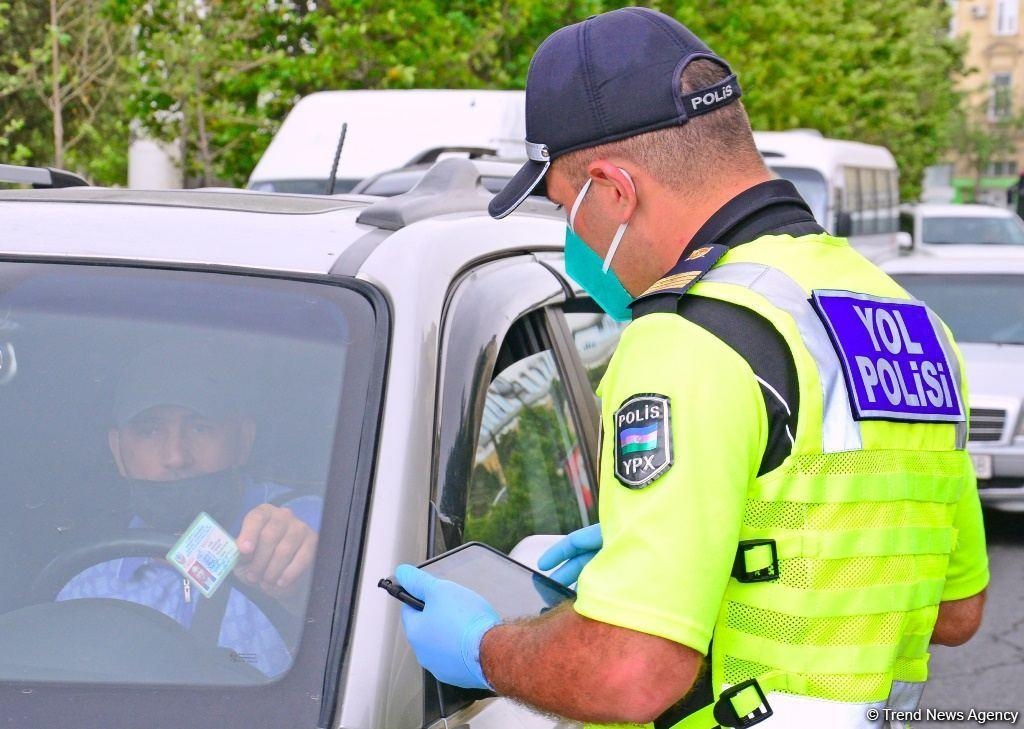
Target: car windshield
(986,308)
(958,230)
(148,407)
(810,184)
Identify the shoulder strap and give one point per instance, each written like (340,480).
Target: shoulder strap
(758,342)
(663,294)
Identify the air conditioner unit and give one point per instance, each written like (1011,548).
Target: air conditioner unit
(979,12)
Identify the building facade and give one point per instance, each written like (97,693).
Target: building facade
(987,169)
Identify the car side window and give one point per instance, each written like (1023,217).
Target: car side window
(529,475)
(595,335)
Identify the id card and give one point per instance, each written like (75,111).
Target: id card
(205,554)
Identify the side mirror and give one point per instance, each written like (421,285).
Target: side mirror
(904,241)
(529,550)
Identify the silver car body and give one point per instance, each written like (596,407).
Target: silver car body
(421,269)
(913,219)
(995,378)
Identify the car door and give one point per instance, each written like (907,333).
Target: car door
(517,430)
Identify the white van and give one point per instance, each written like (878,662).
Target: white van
(852,188)
(386,129)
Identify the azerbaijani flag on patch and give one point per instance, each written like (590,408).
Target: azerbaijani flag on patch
(633,440)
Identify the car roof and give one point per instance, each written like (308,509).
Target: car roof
(249,229)
(966,210)
(259,230)
(929,264)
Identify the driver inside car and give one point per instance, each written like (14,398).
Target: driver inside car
(181,438)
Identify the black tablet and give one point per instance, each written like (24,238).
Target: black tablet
(514,590)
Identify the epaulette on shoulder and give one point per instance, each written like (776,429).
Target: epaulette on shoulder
(663,296)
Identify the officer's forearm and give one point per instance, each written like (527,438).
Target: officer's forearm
(585,670)
(958,620)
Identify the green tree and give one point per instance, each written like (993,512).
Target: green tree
(533,494)
(218,76)
(60,79)
(982,137)
(876,71)
(215,77)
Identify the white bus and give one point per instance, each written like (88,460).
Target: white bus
(852,188)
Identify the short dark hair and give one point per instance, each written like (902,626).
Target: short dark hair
(686,156)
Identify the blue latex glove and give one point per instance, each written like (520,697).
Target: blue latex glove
(446,635)
(575,550)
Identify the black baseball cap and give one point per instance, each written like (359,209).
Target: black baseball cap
(609,77)
(199,379)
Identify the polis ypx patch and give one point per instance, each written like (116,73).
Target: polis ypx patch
(896,367)
(643,439)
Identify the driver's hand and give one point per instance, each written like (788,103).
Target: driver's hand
(276,550)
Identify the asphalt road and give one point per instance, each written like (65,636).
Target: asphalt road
(987,674)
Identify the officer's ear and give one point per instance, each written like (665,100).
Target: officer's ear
(615,187)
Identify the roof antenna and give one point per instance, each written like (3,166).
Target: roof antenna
(337,156)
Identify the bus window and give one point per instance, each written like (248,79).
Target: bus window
(852,202)
(868,202)
(888,201)
(894,192)
(812,188)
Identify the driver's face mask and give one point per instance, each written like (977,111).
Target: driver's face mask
(589,271)
(172,505)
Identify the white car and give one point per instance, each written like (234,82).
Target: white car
(982,301)
(962,231)
(424,372)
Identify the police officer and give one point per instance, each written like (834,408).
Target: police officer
(788,515)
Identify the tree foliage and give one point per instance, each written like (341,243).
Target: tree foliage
(60,79)
(219,75)
(875,71)
(529,493)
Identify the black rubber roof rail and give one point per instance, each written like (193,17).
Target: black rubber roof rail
(41,177)
(450,186)
(428,156)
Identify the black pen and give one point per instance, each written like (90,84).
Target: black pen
(396,590)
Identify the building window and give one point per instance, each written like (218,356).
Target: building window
(1000,105)
(1006,17)
(1001,168)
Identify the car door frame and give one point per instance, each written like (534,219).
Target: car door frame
(485,303)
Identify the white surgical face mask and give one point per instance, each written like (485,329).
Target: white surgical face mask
(618,233)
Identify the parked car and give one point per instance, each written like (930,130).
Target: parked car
(962,231)
(423,370)
(982,301)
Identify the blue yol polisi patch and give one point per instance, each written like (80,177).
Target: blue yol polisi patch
(892,355)
(643,439)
